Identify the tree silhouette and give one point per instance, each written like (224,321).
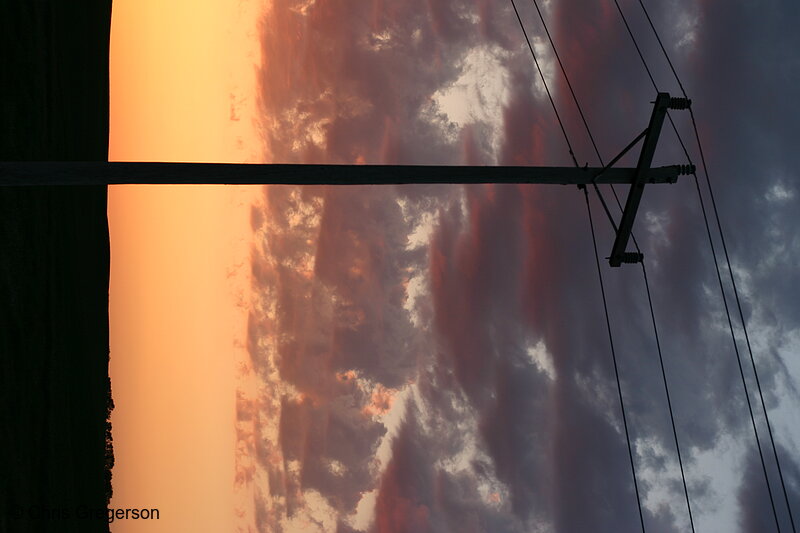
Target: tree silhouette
(109,453)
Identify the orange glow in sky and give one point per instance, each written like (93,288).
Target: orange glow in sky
(182,89)
(182,76)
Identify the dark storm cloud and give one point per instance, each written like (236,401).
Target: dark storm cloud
(417,495)
(732,59)
(755,509)
(352,83)
(552,445)
(331,273)
(316,435)
(344,70)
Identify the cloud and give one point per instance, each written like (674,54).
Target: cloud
(406,486)
(555,446)
(329,85)
(330,340)
(496,440)
(755,511)
(417,493)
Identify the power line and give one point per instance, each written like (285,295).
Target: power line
(738,358)
(669,402)
(594,240)
(636,44)
(661,44)
(744,327)
(728,262)
(716,264)
(663,373)
(644,271)
(544,82)
(580,111)
(563,70)
(614,358)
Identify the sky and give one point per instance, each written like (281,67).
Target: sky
(181,79)
(435,358)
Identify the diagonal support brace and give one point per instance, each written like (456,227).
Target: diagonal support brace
(618,255)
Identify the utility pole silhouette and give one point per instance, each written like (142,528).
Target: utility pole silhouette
(112,173)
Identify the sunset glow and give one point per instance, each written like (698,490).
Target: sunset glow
(176,286)
(431,358)
(183,81)
(182,89)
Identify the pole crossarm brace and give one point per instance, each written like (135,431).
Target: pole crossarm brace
(119,173)
(641,177)
(32,173)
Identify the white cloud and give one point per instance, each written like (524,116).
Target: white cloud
(316,516)
(779,193)
(717,513)
(686,27)
(542,359)
(480,93)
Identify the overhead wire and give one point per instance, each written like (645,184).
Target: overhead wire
(544,82)
(614,358)
(738,357)
(597,261)
(714,256)
(746,336)
(580,111)
(644,271)
(728,262)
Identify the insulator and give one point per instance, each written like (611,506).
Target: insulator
(632,257)
(685,170)
(680,103)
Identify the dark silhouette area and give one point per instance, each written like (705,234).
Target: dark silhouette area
(55,444)
(109,455)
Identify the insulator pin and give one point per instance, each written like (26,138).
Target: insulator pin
(680,103)
(632,257)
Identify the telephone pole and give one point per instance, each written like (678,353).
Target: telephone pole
(117,173)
